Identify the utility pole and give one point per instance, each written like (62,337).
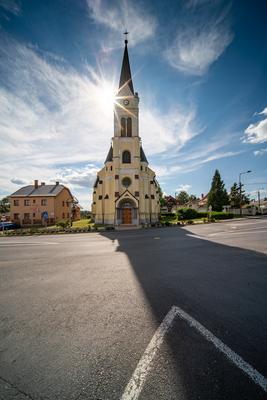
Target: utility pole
(240,190)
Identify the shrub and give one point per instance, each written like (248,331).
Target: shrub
(190,222)
(221,215)
(187,213)
(168,215)
(64,223)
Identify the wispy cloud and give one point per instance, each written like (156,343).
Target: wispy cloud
(199,42)
(124,15)
(51,116)
(11,6)
(183,187)
(257,132)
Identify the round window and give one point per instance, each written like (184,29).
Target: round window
(126,182)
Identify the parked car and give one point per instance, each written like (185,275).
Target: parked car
(8,225)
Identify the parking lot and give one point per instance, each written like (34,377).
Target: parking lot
(169,313)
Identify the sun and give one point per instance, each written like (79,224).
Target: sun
(105,96)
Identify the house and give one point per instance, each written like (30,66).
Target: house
(43,204)
(126,191)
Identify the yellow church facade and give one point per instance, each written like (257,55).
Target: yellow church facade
(126,192)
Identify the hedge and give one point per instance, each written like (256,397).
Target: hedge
(190,213)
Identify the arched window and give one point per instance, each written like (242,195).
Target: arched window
(129,127)
(126,157)
(123,126)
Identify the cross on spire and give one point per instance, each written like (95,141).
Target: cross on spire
(126,33)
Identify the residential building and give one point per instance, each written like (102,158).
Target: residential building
(126,191)
(43,204)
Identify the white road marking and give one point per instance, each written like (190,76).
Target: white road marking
(10,244)
(134,387)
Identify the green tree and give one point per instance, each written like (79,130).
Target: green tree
(161,198)
(182,197)
(235,196)
(4,205)
(217,197)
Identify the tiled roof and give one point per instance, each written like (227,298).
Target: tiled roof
(42,190)
(126,77)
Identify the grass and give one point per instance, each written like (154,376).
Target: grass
(82,223)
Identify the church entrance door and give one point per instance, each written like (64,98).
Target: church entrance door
(127,216)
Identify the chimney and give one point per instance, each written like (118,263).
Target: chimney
(42,183)
(57,182)
(36,183)
(202,195)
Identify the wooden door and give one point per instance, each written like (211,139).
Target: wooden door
(127,216)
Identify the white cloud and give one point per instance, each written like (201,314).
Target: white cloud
(260,152)
(198,44)
(257,132)
(183,187)
(124,15)
(51,115)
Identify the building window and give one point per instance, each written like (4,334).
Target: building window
(100,182)
(26,202)
(44,202)
(146,196)
(26,216)
(16,202)
(34,201)
(123,126)
(152,196)
(117,194)
(100,197)
(16,216)
(63,215)
(136,194)
(141,168)
(126,182)
(126,157)
(63,203)
(68,215)
(106,197)
(136,176)
(111,168)
(33,215)
(151,182)
(116,176)
(129,127)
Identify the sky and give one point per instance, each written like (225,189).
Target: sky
(199,67)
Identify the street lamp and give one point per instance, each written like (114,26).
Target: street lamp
(240,189)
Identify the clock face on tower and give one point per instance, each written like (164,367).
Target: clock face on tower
(126,102)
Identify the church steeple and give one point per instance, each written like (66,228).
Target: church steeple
(126,77)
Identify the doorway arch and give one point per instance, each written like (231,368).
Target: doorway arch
(127,212)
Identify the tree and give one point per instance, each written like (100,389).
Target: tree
(161,198)
(182,197)
(4,205)
(235,196)
(217,197)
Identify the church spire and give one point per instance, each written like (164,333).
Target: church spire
(126,77)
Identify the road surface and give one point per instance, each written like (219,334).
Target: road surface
(135,314)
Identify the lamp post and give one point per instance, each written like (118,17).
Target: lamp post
(240,189)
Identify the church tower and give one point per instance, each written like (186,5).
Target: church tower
(126,191)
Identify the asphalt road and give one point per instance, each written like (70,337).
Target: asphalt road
(77,313)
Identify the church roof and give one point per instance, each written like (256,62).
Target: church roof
(142,155)
(126,77)
(110,155)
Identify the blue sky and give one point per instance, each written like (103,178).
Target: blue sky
(199,66)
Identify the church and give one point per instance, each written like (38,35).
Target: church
(126,192)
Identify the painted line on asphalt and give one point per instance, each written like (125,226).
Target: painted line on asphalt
(14,244)
(135,385)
